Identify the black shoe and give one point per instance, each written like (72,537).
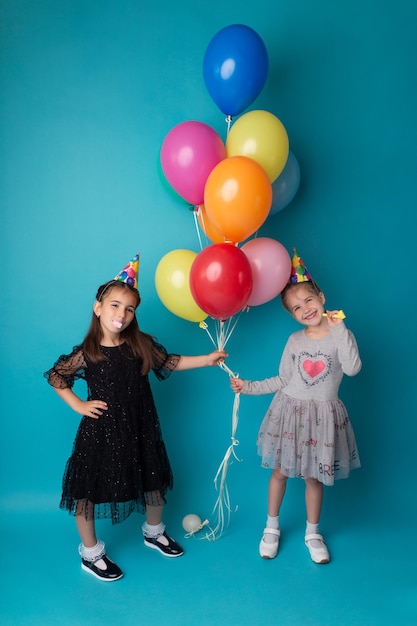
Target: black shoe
(113,572)
(173,549)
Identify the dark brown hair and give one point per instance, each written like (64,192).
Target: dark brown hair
(310,284)
(140,343)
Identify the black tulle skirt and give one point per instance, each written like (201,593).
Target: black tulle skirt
(119,462)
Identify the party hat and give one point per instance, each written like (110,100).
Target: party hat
(129,274)
(299,273)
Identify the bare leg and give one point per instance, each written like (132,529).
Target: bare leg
(86,530)
(314,541)
(154,514)
(84,519)
(268,547)
(314,499)
(276,491)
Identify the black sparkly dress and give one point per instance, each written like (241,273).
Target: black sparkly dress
(119,461)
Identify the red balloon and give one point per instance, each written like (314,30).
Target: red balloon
(221,280)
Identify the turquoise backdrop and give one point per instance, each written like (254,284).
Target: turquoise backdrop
(89,91)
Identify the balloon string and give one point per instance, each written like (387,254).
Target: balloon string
(205,327)
(224,367)
(223,332)
(231,327)
(225,329)
(228,121)
(195,215)
(223,505)
(219,326)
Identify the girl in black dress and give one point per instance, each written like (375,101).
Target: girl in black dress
(119,462)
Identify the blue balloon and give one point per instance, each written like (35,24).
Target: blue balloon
(286,185)
(235,68)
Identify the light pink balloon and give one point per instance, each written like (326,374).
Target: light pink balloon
(189,152)
(271,268)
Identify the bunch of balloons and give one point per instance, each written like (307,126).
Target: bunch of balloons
(233,186)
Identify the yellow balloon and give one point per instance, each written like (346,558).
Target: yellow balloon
(261,136)
(172,282)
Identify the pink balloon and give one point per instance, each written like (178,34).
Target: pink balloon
(271,268)
(189,152)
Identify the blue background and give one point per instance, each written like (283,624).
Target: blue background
(89,91)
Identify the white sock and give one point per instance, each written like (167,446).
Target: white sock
(153,531)
(310,529)
(91,554)
(271,522)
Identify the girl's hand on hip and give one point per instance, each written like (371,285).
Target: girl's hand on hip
(91,408)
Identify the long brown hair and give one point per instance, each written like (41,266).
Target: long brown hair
(140,343)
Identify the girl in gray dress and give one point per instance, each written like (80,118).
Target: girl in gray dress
(306,431)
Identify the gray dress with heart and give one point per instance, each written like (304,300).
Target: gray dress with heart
(306,431)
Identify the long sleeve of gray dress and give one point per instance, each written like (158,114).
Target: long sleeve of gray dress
(312,368)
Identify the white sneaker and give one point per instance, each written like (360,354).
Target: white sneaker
(269,550)
(318,554)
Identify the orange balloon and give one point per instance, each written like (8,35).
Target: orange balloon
(207,227)
(237,197)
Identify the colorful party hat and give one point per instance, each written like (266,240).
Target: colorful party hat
(129,274)
(299,273)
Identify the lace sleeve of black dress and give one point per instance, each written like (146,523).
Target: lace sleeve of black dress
(67,369)
(163,363)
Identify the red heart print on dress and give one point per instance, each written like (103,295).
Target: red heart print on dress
(313,368)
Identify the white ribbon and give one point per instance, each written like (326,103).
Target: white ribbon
(222,507)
